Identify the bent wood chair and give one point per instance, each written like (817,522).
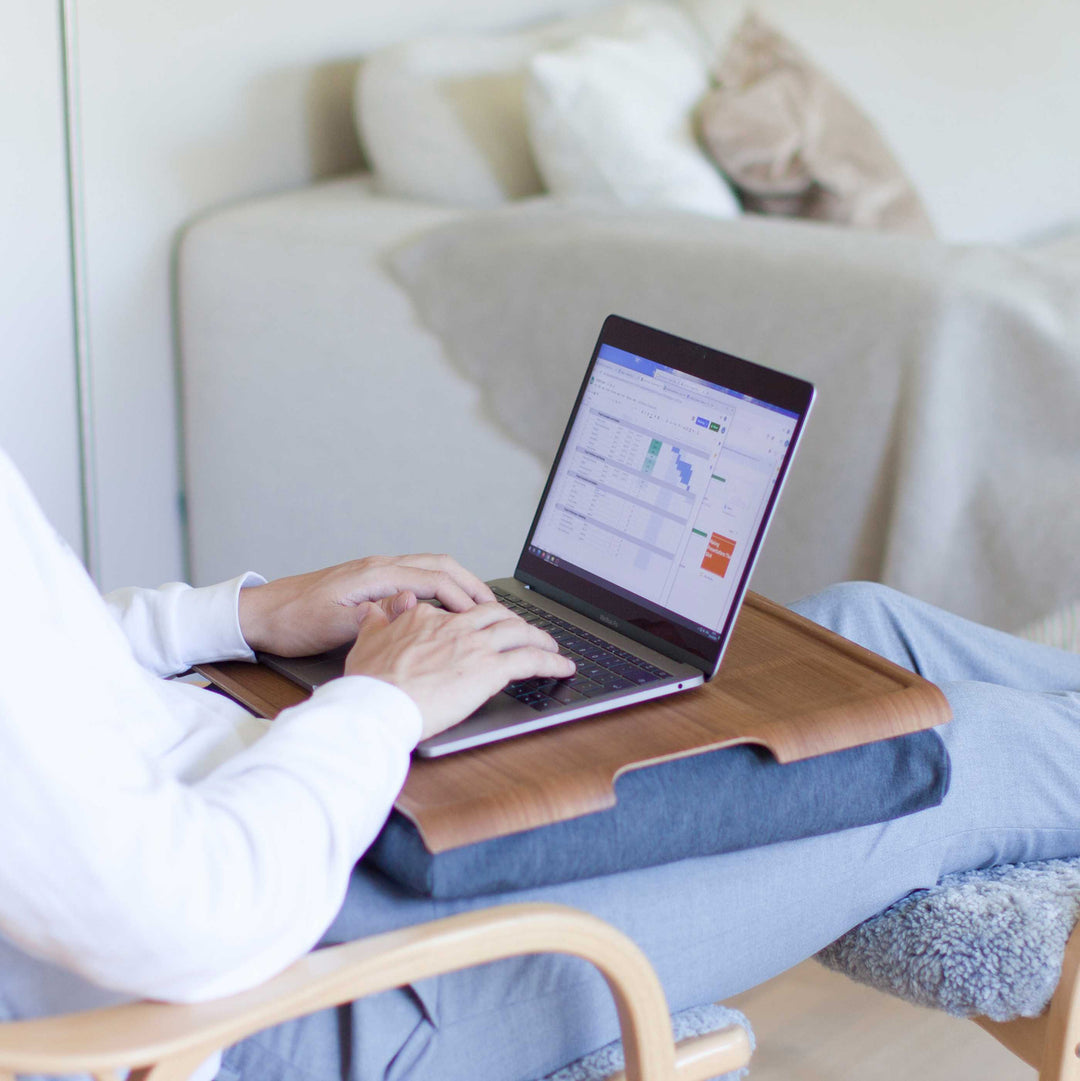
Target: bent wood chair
(166,1042)
(1050,1042)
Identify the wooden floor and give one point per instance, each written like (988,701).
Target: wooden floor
(813,1025)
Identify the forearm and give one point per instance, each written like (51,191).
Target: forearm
(188,892)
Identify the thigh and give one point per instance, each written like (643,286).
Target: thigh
(937,644)
(711,927)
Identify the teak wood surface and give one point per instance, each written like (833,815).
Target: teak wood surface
(786,683)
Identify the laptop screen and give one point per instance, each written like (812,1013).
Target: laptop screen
(663,484)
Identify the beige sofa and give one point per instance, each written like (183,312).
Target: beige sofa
(324,418)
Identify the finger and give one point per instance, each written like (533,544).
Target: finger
(370,617)
(478,591)
(515,633)
(399,604)
(529,662)
(450,594)
(425,582)
(481,616)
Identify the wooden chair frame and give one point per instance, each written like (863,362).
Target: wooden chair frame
(167,1042)
(1050,1042)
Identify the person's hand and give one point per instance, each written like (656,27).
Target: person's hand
(450,663)
(310,613)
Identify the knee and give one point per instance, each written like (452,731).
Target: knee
(837,605)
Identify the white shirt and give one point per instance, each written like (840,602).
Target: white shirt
(155,839)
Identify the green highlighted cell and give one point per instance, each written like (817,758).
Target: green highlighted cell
(654,452)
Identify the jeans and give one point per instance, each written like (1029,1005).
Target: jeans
(714,926)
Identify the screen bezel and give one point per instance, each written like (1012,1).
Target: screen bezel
(649,624)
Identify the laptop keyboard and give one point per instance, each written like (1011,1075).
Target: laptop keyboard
(601,667)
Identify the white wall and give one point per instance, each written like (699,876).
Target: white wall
(185,106)
(38,425)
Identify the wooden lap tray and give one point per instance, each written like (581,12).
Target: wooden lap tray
(785,683)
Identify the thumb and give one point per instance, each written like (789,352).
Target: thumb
(370,617)
(400,603)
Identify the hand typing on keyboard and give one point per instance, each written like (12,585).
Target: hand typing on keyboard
(450,663)
(601,667)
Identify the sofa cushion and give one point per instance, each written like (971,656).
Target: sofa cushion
(793,143)
(610,117)
(442,118)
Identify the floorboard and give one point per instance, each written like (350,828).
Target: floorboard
(814,1025)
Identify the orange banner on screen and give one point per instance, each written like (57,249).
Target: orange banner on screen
(718,555)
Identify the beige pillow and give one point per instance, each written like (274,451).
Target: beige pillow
(792,143)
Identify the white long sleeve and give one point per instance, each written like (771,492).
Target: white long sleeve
(174,627)
(156,840)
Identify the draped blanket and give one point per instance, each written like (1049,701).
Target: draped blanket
(943,455)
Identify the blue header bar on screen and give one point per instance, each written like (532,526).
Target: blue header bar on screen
(629,360)
(651,367)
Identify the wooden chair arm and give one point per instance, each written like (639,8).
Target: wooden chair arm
(166,1042)
(1050,1042)
(1061,1053)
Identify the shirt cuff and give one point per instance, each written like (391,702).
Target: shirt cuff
(208,621)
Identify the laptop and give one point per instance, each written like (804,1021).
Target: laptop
(646,534)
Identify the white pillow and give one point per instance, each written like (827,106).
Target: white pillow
(442,118)
(979,100)
(611,117)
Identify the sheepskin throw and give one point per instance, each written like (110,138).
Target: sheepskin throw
(987,943)
(696,1021)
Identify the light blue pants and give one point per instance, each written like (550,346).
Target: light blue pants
(715,926)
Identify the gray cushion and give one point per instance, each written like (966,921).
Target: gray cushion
(721,801)
(696,1021)
(982,943)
